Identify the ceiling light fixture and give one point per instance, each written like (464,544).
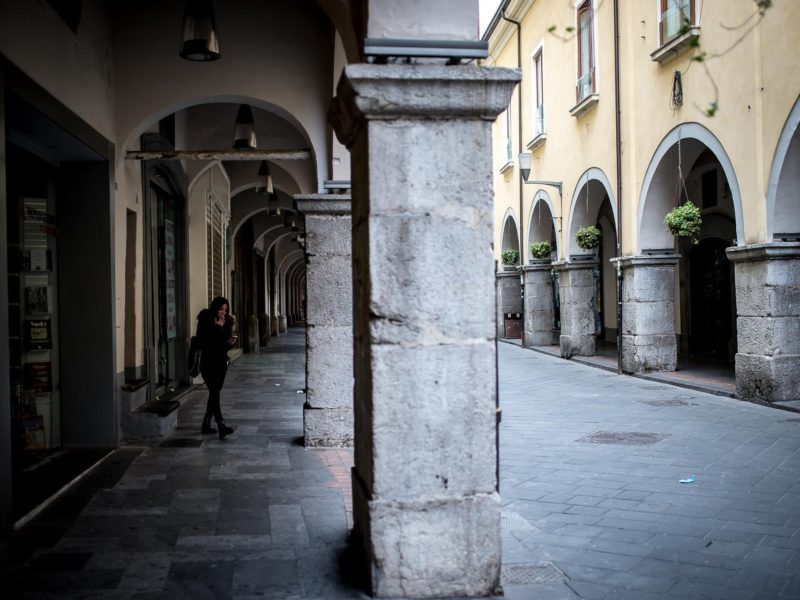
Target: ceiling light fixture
(199,40)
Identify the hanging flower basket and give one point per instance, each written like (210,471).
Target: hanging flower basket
(684,221)
(588,238)
(541,250)
(509,257)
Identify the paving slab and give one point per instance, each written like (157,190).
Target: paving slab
(590,471)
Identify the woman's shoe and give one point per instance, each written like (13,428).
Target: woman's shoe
(206,427)
(223,429)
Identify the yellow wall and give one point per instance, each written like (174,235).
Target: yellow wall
(757,83)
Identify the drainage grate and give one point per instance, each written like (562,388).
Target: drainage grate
(180,443)
(511,521)
(624,438)
(673,402)
(522,573)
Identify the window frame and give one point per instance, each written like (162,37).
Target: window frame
(537,80)
(663,5)
(585,6)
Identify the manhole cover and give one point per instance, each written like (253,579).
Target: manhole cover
(624,438)
(672,402)
(180,443)
(511,521)
(522,573)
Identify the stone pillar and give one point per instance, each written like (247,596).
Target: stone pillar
(509,297)
(328,411)
(768,321)
(428,517)
(539,309)
(648,313)
(576,289)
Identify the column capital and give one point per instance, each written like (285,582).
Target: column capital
(761,252)
(646,260)
(572,265)
(506,274)
(391,92)
(539,265)
(324,204)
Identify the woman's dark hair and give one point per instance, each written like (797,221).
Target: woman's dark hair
(218,303)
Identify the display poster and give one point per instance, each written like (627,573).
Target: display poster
(169,272)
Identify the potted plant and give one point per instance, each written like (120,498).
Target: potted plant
(541,250)
(509,258)
(684,221)
(588,237)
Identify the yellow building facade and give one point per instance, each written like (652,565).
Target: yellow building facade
(626,111)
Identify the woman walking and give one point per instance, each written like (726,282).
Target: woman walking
(215,334)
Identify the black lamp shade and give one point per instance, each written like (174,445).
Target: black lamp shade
(272,204)
(264,181)
(244,136)
(199,41)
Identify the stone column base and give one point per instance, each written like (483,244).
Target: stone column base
(509,298)
(451,545)
(648,313)
(768,321)
(328,427)
(539,309)
(576,286)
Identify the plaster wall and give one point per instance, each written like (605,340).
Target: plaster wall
(77,68)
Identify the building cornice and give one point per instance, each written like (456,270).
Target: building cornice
(501,32)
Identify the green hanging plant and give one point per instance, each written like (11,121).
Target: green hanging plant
(541,250)
(509,256)
(588,238)
(684,221)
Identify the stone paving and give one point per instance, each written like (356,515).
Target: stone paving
(591,465)
(591,470)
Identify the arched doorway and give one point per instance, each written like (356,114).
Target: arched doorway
(708,304)
(509,283)
(541,300)
(690,164)
(589,274)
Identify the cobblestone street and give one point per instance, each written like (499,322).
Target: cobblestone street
(593,504)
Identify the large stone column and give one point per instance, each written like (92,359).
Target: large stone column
(426,510)
(768,321)
(648,313)
(509,297)
(539,310)
(576,289)
(328,410)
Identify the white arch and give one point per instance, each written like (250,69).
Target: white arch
(543,197)
(509,216)
(207,167)
(788,147)
(684,131)
(579,194)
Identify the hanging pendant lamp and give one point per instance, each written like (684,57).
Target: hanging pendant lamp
(264,181)
(272,204)
(244,135)
(199,41)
